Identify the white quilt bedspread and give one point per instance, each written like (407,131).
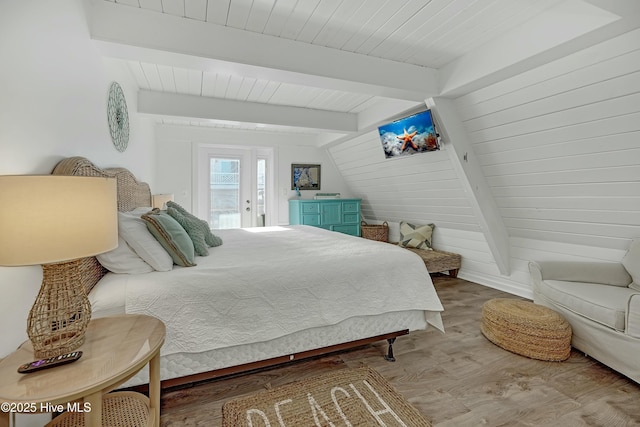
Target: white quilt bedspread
(265,283)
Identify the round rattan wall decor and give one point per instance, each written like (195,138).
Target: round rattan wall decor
(118,116)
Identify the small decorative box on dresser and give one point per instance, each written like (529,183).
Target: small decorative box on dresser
(341,215)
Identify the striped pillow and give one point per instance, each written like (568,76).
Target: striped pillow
(173,238)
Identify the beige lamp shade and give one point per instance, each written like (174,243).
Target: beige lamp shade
(55,220)
(52,218)
(160,200)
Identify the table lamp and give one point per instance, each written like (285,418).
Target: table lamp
(160,200)
(55,221)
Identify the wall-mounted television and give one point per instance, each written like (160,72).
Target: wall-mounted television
(410,135)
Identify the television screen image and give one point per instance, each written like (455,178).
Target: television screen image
(410,135)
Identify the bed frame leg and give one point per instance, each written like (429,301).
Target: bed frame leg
(389,357)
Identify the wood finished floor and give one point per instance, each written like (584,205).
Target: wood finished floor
(454,379)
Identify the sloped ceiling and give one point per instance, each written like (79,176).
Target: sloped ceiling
(329,68)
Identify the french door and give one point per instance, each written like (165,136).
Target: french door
(235,186)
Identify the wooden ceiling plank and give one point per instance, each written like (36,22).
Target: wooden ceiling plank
(196,9)
(320,18)
(256,90)
(152,75)
(217,11)
(235,82)
(166,78)
(138,74)
(301,13)
(409,8)
(268,91)
(259,15)
(375,21)
(338,24)
(209,83)
(485,25)
(419,22)
(423,33)
(181,76)
(239,13)
(278,18)
(245,88)
(195,82)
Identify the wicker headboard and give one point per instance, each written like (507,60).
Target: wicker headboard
(131,194)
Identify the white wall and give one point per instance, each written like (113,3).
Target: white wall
(559,148)
(176,145)
(421,189)
(53,101)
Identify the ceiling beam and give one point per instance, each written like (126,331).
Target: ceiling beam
(536,43)
(619,7)
(200,107)
(148,36)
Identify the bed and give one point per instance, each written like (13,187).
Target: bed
(265,296)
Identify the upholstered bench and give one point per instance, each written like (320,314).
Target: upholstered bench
(438,261)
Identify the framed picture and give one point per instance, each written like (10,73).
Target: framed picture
(305,177)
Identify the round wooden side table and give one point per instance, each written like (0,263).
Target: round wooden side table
(115,349)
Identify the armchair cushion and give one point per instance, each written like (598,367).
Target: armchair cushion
(631,262)
(606,273)
(606,305)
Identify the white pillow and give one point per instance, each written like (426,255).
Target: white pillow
(135,232)
(124,260)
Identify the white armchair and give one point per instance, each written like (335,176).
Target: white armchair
(601,301)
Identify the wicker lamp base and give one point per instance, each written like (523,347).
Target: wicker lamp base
(59,317)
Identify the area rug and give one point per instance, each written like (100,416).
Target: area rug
(345,397)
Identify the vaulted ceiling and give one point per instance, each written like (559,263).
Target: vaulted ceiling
(331,68)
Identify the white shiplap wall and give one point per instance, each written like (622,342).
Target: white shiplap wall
(421,189)
(559,146)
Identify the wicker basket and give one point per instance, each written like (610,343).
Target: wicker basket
(375,232)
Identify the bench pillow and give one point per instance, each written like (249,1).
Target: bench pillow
(416,236)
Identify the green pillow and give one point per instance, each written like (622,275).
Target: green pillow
(195,227)
(416,236)
(173,238)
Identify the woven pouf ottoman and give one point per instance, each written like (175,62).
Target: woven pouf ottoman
(527,329)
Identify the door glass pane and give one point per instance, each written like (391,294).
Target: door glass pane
(224,197)
(261,196)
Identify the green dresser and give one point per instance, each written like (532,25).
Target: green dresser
(341,215)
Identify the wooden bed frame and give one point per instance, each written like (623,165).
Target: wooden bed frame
(282,360)
(133,194)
